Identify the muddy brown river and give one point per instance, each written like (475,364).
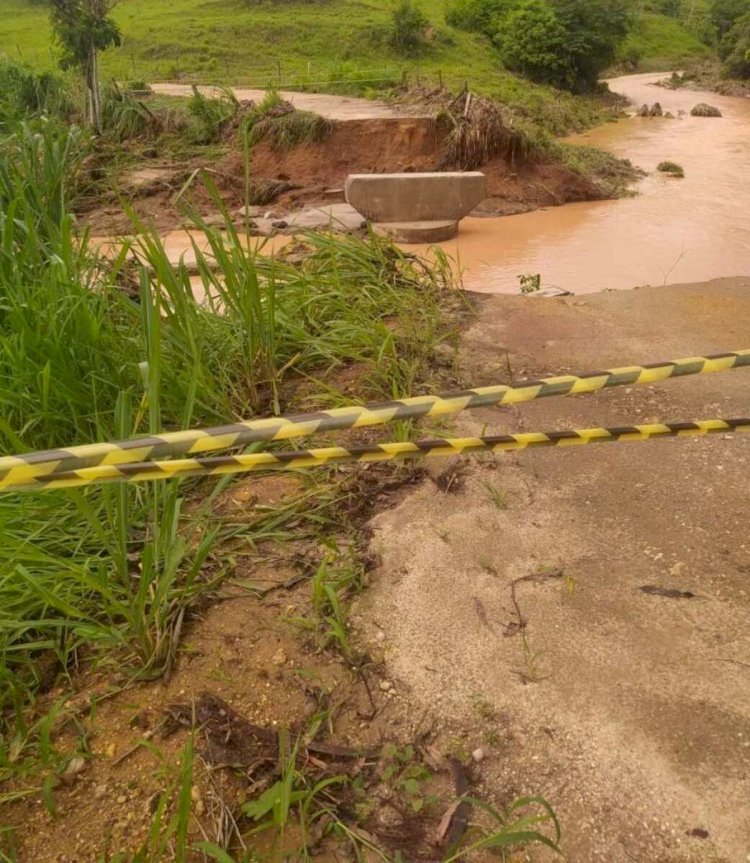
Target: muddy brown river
(673,230)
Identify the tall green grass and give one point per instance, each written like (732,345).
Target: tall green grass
(26,93)
(106,574)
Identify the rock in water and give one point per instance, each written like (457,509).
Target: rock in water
(656,110)
(704,110)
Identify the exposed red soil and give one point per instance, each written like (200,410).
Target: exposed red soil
(404,145)
(353,146)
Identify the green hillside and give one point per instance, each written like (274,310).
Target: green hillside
(331,45)
(658,42)
(325,45)
(244,41)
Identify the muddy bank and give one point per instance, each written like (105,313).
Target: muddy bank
(315,173)
(628,710)
(414,144)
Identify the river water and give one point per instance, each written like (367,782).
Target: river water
(672,231)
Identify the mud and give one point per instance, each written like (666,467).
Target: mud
(672,230)
(516,598)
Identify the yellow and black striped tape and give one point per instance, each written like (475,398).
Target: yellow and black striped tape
(375,452)
(18,469)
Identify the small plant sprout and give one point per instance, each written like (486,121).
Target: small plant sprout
(497,496)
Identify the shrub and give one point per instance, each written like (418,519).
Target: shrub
(481,16)
(725,13)
(671,168)
(533,42)
(409,26)
(566,43)
(24,94)
(735,49)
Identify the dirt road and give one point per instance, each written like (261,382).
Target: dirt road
(332,107)
(629,711)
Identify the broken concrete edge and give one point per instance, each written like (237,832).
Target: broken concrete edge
(415,197)
(417,232)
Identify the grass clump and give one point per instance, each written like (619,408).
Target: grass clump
(26,94)
(288,131)
(611,174)
(210,115)
(125,117)
(671,168)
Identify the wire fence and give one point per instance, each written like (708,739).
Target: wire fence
(282,74)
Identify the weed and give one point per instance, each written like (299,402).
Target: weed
(110,572)
(292,796)
(26,94)
(406,774)
(332,583)
(483,708)
(125,117)
(497,496)
(487,565)
(515,827)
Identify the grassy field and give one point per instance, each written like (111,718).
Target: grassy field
(335,46)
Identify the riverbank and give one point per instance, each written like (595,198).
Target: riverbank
(671,230)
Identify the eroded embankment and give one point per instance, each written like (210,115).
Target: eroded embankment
(284,179)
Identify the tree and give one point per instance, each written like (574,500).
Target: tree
(409,28)
(82,28)
(594,31)
(533,42)
(735,49)
(724,13)
(566,43)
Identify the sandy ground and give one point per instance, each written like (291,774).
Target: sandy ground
(333,107)
(630,712)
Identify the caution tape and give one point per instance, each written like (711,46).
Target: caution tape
(18,469)
(326,456)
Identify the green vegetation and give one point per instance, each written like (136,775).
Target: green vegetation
(25,94)
(658,42)
(409,29)
(94,348)
(671,168)
(298,45)
(289,130)
(566,43)
(734,48)
(211,115)
(81,30)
